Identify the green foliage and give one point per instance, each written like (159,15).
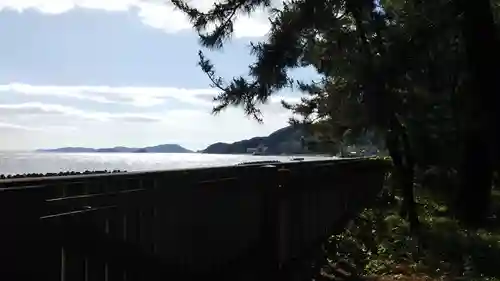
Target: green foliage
(412,51)
(380,243)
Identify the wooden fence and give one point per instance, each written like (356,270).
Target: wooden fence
(248,221)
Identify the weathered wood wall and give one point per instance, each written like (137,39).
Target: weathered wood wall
(180,224)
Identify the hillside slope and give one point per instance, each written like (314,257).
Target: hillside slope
(283,141)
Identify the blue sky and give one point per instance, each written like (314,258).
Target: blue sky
(117,72)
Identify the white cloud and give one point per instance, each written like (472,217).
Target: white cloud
(256,26)
(7,126)
(47,128)
(37,109)
(35,125)
(137,96)
(45,122)
(154,13)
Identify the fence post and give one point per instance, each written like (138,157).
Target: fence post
(268,230)
(273,215)
(20,225)
(283,212)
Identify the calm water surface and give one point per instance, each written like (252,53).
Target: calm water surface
(32,162)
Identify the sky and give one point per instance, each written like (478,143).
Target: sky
(103,73)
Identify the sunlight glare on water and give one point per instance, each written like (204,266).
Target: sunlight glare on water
(30,162)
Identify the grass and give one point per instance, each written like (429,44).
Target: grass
(379,245)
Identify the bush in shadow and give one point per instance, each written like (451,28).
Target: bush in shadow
(379,243)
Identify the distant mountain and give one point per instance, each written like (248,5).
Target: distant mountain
(116,149)
(163,148)
(283,141)
(68,149)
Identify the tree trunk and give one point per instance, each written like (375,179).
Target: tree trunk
(383,114)
(404,167)
(473,200)
(482,101)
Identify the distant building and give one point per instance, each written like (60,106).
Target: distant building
(361,150)
(261,149)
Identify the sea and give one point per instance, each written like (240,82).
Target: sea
(42,162)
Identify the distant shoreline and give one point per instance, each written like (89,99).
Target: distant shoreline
(192,152)
(162,148)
